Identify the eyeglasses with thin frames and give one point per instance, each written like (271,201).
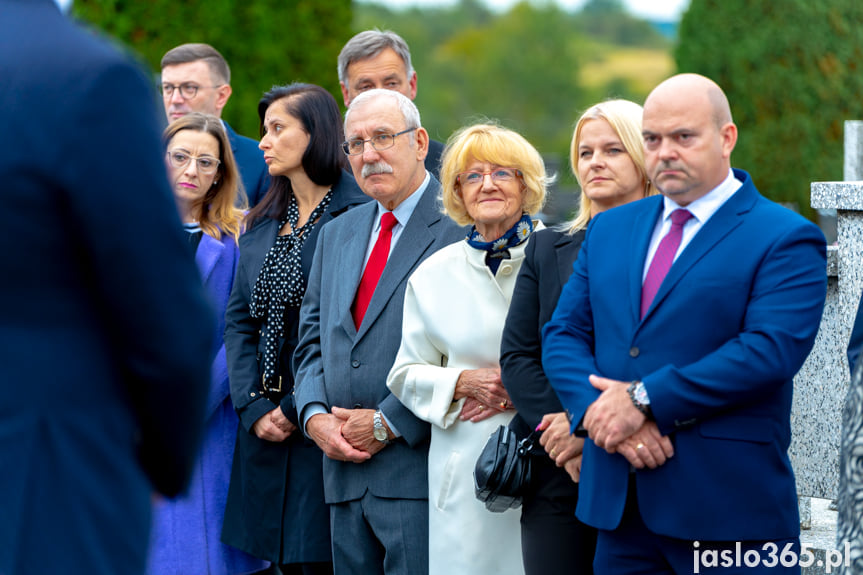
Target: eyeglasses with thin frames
(379,143)
(207,165)
(498,176)
(188,90)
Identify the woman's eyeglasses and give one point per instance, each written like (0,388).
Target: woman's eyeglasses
(207,165)
(498,176)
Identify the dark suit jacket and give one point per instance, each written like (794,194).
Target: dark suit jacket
(250,161)
(106,333)
(717,350)
(856,340)
(547,266)
(335,364)
(432,161)
(265,474)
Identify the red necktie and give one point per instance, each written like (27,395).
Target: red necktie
(663,258)
(374,268)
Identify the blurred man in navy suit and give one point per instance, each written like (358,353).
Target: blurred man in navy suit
(104,328)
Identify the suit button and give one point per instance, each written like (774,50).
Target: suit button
(634,351)
(506,269)
(355,363)
(252,394)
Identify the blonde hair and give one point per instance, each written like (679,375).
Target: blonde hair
(624,117)
(221,209)
(489,142)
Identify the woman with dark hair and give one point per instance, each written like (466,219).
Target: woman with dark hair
(207,190)
(276,507)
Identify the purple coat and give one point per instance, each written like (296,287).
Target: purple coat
(186,530)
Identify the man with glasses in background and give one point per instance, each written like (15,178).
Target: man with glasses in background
(375,469)
(196,78)
(382,59)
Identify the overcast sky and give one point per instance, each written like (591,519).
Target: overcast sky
(655,9)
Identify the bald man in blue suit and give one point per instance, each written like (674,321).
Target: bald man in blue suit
(686,394)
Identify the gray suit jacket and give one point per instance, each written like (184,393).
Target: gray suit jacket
(336,365)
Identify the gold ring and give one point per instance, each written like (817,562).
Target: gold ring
(481,407)
(639,446)
(503,405)
(553,453)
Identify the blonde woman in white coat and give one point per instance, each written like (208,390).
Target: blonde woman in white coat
(447,370)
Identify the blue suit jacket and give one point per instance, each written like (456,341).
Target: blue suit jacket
(250,161)
(730,326)
(105,331)
(336,364)
(855,341)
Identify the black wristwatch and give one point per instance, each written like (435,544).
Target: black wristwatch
(638,396)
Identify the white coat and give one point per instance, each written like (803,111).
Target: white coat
(454,313)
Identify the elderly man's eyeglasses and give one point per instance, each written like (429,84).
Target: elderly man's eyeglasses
(187,90)
(207,165)
(379,142)
(498,176)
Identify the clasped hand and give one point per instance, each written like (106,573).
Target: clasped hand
(485,394)
(345,434)
(273,426)
(616,425)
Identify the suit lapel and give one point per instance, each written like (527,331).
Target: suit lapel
(719,226)
(350,262)
(208,254)
(415,239)
(561,254)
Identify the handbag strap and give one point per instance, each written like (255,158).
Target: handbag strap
(527,444)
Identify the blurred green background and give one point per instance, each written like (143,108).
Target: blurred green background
(789,67)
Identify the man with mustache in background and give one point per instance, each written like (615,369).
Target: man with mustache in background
(375,469)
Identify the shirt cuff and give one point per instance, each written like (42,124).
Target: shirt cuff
(310,410)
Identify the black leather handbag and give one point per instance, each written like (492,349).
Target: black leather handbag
(502,470)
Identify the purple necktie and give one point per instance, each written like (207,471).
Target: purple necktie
(663,258)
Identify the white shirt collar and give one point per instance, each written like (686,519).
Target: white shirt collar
(404,210)
(707,205)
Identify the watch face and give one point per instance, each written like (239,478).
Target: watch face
(380,434)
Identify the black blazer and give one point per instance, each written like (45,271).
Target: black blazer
(548,261)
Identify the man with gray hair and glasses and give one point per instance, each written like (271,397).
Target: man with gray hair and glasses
(196,78)
(375,469)
(382,59)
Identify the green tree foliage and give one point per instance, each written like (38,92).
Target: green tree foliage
(607,21)
(266,42)
(791,73)
(520,67)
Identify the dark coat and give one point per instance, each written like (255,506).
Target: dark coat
(547,266)
(552,538)
(250,161)
(432,161)
(275,507)
(105,330)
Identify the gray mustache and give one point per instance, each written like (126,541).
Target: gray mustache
(376,168)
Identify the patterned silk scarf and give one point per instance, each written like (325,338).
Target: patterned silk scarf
(498,250)
(280,284)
